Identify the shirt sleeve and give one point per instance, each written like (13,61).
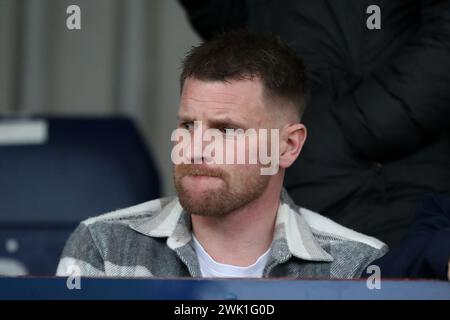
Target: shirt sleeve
(425,250)
(437,255)
(81,256)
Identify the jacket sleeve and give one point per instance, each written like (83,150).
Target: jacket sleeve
(209,17)
(425,250)
(399,107)
(81,255)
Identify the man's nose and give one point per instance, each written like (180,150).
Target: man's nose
(197,143)
(204,147)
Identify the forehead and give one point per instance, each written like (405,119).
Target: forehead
(203,99)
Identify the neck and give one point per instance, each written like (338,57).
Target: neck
(240,237)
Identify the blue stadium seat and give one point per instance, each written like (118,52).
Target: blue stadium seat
(86,167)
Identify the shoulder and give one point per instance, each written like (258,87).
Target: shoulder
(325,228)
(137,212)
(102,239)
(352,251)
(119,225)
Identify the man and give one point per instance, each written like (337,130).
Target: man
(378,128)
(229,220)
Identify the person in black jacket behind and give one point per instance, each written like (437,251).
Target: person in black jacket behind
(425,250)
(379,111)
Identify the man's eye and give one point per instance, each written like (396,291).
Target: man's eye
(187,125)
(229,131)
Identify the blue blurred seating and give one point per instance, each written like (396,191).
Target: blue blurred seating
(87,166)
(220,289)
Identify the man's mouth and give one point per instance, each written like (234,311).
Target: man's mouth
(203,175)
(198,176)
(193,170)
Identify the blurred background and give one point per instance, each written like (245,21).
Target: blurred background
(85,117)
(125,60)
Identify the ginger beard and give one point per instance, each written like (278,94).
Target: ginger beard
(208,191)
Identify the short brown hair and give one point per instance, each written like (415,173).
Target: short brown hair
(240,55)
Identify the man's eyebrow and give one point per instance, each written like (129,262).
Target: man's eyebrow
(220,121)
(184,117)
(227,121)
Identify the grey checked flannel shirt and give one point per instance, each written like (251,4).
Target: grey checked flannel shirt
(153,239)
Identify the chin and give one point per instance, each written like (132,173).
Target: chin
(198,193)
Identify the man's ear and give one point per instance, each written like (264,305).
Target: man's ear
(292,138)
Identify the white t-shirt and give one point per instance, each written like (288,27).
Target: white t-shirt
(211,268)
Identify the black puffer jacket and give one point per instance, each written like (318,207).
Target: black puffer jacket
(379,115)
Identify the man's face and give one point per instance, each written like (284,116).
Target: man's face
(217,189)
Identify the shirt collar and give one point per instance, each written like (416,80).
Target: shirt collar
(291,228)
